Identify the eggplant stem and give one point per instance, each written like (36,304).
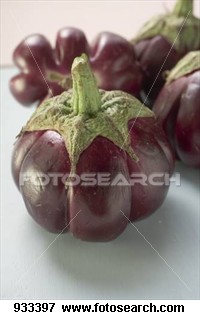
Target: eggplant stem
(85,97)
(183,7)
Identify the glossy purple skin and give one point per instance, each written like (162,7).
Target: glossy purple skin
(178,108)
(92,213)
(112,59)
(151,53)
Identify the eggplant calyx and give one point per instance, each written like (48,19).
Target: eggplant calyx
(187,65)
(85,112)
(180,28)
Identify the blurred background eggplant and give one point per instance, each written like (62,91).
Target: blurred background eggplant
(45,71)
(178,109)
(162,42)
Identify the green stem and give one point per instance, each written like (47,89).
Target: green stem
(86,97)
(183,7)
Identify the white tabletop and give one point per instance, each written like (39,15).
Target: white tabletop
(158,260)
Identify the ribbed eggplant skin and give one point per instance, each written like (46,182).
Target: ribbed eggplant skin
(177,109)
(92,213)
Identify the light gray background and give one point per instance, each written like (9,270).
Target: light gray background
(20,18)
(127,268)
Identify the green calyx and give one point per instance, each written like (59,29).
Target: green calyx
(84,113)
(187,65)
(179,27)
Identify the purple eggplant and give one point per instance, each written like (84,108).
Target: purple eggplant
(178,109)
(107,146)
(162,42)
(45,71)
